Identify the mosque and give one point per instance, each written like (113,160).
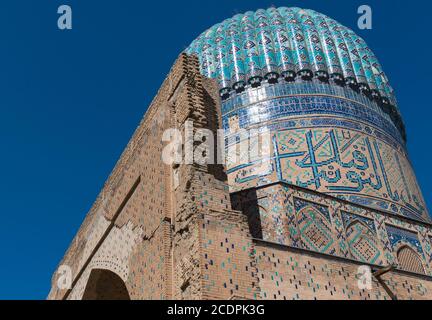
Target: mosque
(333,212)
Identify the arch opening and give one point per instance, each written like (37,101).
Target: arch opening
(409,260)
(105,285)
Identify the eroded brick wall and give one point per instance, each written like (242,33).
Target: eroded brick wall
(127,230)
(146,225)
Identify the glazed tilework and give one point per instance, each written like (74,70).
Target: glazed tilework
(349,218)
(361,237)
(267,104)
(294,227)
(328,225)
(324,144)
(314,226)
(397,236)
(328,137)
(283,40)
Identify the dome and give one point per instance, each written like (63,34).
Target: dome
(291,44)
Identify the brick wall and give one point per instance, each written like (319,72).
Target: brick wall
(175,232)
(290,274)
(147,224)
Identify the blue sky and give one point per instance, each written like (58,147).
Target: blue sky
(70,101)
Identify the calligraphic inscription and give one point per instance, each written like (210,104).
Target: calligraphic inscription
(345,163)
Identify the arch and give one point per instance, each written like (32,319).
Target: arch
(315,230)
(105,285)
(362,242)
(409,260)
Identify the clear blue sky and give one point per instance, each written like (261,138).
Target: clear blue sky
(70,101)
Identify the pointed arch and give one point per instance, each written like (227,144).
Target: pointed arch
(105,285)
(315,230)
(409,260)
(362,242)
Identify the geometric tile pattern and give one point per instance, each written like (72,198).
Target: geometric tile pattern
(314,227)
(349,218)
(192,239)
(338,177)
(346,163)
(362,242)
(273,67)
(399,236)
(326,138)
(311,221)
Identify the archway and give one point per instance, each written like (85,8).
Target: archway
(105,285)
(409,260)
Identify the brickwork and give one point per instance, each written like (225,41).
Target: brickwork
(286,274)
(329,225)
(161,231)
(228,263)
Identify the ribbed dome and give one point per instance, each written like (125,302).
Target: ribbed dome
(291,44)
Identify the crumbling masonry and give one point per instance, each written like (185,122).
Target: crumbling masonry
(175,232)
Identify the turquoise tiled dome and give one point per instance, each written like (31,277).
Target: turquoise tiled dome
(288,44)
